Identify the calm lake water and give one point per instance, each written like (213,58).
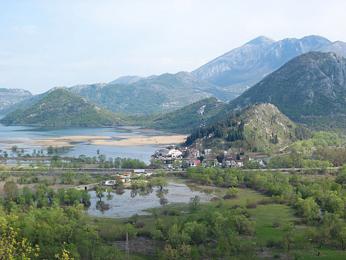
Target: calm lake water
(22,137)
(124,205)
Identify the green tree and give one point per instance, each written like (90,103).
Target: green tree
(308,209)
(99,192)
(194,203)
(10,190)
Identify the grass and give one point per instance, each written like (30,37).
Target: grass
(270,220)
(244,197)
(325,254)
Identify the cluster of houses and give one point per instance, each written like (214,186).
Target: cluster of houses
(173,157)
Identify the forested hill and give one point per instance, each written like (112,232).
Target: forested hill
(187,118)
(61,108)
(309,89)
(145,96)
(260,127)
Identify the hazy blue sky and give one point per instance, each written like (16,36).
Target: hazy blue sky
(57,43)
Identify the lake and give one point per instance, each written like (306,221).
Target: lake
(124,205)
(30,139)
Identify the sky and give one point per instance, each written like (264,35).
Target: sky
(44,44)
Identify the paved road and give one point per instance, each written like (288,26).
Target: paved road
(57,171)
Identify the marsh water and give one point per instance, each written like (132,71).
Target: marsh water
(128,204)
(22,137)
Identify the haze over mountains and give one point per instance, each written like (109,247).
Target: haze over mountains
(308,85)
(154,94)
(9,97)
(241,68)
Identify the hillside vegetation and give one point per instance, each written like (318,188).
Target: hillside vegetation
(163,93)
(310,89)
(187,118)
(61,108)
(260,127)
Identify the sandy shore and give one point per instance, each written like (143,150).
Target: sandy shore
(143,140)
(124,140)
(67,141)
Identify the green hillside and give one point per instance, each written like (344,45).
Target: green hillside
(163,93)
(260,127)
(187,118)
(61,108)
(310,89)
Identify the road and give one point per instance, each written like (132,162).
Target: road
(57,171)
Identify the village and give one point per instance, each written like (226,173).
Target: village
(177,158)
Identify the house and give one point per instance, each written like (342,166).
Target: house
(168,155)
(207,152)
(141,172)
(194,163)
(109,183)
(174,153)
(161,153)
(125,177)
(231,163)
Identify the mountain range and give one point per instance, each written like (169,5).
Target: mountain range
(243,67)
(308,88)
(9,97)
(144,96)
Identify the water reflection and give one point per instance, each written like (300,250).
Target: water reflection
(126,203)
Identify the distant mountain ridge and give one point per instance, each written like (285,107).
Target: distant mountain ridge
(144,96)
(9,97)
(224,78)
(243,67)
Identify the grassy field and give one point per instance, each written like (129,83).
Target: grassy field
(270,221)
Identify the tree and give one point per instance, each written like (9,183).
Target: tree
(341,178)
(50,150)
(10,190)
(342,238)
(99,192)
(14,149)
(288,237)
(12,246)
(308,209)
(194,203)
(181,252)
(64,255)
(231,193)
(159,182)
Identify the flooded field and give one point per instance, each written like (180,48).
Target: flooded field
(130,203)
